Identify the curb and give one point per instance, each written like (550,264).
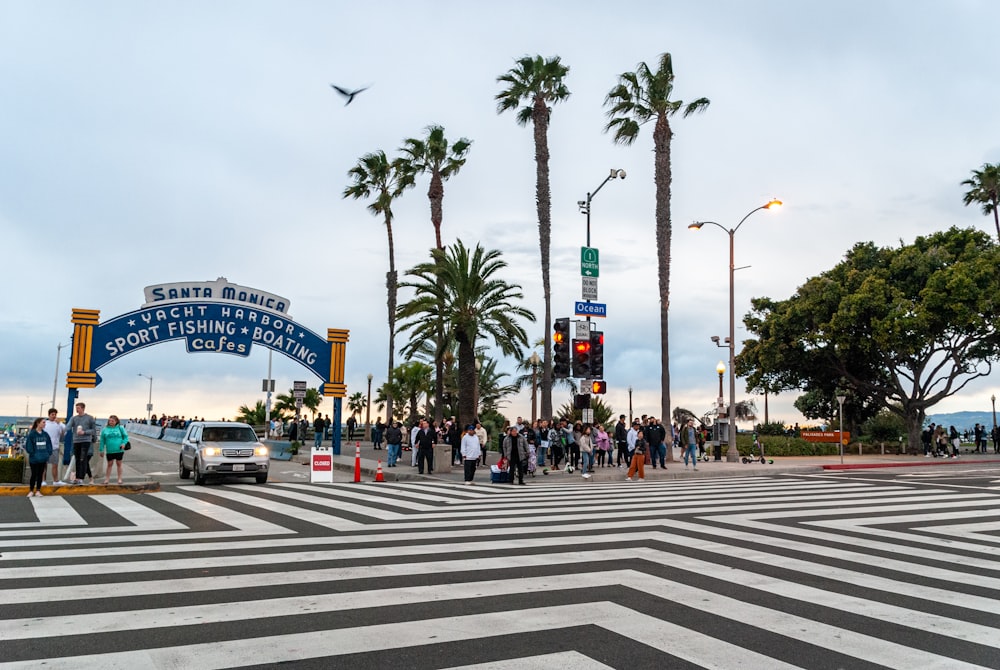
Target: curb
(920,464)
(82,489)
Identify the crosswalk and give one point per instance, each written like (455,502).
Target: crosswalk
(755,572)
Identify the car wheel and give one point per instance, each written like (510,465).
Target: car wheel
(199,478)
(262,478)
(183,471)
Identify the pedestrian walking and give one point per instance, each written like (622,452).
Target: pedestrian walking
(471,452)
(84,430)
(393,442)
(586,444)
(56,431)
(38,444)
(638,457)
(515,449)
(689,443)
(424,446)
(113,441)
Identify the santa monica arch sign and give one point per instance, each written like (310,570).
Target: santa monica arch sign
(214,317)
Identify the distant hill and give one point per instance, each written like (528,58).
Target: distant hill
(963,420)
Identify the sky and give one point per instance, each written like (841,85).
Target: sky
(146,143)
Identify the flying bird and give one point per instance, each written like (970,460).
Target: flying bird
(348,94)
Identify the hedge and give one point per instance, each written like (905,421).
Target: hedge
(12,470)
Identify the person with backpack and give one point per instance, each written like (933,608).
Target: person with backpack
(114,441)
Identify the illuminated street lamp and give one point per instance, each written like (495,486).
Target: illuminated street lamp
(733,454)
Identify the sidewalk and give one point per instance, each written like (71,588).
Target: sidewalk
(675,470)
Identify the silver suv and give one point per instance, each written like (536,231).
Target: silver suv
(222,448)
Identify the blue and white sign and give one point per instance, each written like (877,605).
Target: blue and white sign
(591,309)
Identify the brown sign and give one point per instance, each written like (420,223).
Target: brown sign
(824,436)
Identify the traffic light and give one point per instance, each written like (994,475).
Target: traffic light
(581,358)
(560,348)
(581,401)
(598,387)
(596,354)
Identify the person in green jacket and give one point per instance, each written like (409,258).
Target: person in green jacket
(38,444)
(113,439)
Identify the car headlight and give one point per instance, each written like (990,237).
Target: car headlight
(211,451)
(261,451)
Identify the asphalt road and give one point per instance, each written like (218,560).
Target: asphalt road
(843,569)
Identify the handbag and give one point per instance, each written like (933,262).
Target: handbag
(126,446)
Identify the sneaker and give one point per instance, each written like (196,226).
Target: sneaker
(628,479)
(38,494)
(927,455)
(586,476)
(641,479)
(695,469)
(45,483)
(59,483)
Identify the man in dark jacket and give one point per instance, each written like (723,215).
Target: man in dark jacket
(515,449)
(621,441)
(319,426)
(425,448)
(393,442)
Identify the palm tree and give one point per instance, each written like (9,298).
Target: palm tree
(255,415)
(356,404)
(285,402)
(435,156)
(639,97)
(477,305)
(538,83)
(440,159)
(528,378)
(409,381)
(382,181)
(984,189)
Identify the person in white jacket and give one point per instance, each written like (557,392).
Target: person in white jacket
(471,451)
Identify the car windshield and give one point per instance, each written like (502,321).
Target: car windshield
(234,434)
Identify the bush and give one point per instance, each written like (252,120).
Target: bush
(779,445)
(771,428)
(293,447)
(12,470)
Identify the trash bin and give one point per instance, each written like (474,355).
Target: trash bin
(717,450)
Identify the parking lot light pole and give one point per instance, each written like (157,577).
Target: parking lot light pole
(149,404)
(840,427)
(733,454)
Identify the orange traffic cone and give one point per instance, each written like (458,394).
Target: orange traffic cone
(378,473)
(357,463)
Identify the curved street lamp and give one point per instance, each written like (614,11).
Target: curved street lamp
(732,453)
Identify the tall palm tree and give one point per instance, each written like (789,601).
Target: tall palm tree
(377,178)
(639,97)
(538,83)
(984,189)
(477,305)
(440,159)
(436,156)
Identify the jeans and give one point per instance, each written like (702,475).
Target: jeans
(692,451)
(542,448)
(394,450)
(586,461)
(318,439)
(660,453)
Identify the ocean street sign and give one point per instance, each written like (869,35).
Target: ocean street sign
(590,265)
(591,309)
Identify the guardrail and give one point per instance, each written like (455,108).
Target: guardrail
(144,429)
(175,435)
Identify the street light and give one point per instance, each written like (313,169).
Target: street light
(721,405)
(630,405)
(535,361)
(584,205)
(368,408)
(55,382)
(840,426)
(993,399)
(733,454)
(149,405)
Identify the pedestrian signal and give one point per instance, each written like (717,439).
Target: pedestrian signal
(598,387)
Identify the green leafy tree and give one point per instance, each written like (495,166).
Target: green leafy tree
(439,158)
(380,180)
(640,97)
(538,83)
(905,327)
(984,189)
(285,402)
(492,390)
(478,305)
(255,416)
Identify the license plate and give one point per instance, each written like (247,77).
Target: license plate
(238,467)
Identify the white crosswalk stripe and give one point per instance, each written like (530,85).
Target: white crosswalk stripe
(742,573)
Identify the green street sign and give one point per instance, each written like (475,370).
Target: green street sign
(590,265)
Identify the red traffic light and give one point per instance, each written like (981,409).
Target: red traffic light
(598,387)
(581,346)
